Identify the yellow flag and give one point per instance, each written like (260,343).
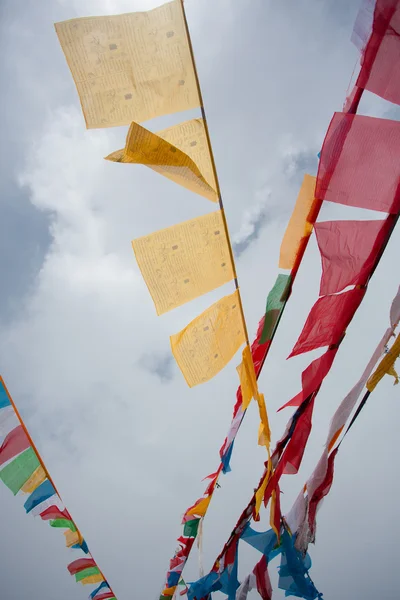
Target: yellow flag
(264,432)
(200,509)
(298,226)
(72,538)
(386,366)
(210,341)
(261,490)
(92,579)
(248,379)
(130,67)
(37,477)
(180,153)
(184,261)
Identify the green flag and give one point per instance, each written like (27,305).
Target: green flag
(16,473)
(65,523)
(191,527)
(275,303)
(87,573)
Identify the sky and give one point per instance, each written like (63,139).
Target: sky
(88,361)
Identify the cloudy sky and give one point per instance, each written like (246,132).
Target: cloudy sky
(84,354)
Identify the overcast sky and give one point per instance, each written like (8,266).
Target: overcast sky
(88,361)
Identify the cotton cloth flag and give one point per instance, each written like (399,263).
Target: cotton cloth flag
(300,224)
(180,153)
(14,443)
(184,261)
(17,472)
(275,302)
(130,67)
(37,477)
(359,165)
(210,341)
(386,366)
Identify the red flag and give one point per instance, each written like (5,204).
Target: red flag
(105,596)
(80,564)
(263,581)
(328,320)
(321,491)
(359,163)
(53,512)
(348,252)
(14,443)
(380,73)
(312,377)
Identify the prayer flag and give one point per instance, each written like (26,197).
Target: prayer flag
(42,493)
(180,153)
(14,443)
(80,564)
(4,399)
(37,477)
(275,302)
(248,379)
(130,67)
(184,261)
(17,472)
(209,342)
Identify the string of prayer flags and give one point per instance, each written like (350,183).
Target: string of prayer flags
(184,261)
(210,341)
(348,252)
(379,71)
(300,224)
(358,164)
(24,472)
(180,153)
(130,67)
(303,512)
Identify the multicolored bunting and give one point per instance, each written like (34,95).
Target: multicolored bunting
(24,472)
(184,261)
(130,67)
(210,341)
(179,153)
(379,71)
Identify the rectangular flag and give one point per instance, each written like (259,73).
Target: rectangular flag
(180,153)
(205,346)
(184,261)
(130,67)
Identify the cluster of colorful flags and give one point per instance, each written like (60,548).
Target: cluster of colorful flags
(131,68)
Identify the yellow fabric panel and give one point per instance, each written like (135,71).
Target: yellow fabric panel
(72,538)
(37,477)
(210,341)
(169,591)
(261,490)
(386,366)
(272,514)
(130,67)
(248,379)
(201,508)
(185,261)
(298,226)
(264,433)
(92,579)
(188,165)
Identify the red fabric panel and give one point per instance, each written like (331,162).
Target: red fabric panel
(263,581)
(277,516)
(348,252)
(312,377)
(321,491)
(80,564)
(105,596)
(293,455)
(359,163)
(53,512)
(380,72)
(14,443)
(328,320)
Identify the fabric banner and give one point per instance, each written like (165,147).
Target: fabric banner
(328,320)
(17,472)
(184,261)
(4,399)
(379,72)
(248,378)
(37,477)
(80,564)
(349,250)
(359,165)
(205,346)
(386,366)
(300,224)
(275,302)
(42,493)
(180,153)
(130,67)
(312,377)
(14,443)
(363,24)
